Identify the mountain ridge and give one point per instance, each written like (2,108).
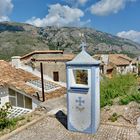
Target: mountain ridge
(21,38)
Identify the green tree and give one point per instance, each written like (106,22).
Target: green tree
(4,121)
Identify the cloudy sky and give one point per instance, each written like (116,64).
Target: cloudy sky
(118,17)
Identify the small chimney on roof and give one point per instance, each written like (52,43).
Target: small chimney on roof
(16,61)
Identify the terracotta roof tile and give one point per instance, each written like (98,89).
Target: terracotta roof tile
(57,93)
(15,77)
(64,57)
(119,59)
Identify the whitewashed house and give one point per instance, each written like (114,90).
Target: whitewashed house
(116,63)
(53,62)
(13,87)
(21,88)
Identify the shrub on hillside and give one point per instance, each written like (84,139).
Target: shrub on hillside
(118,86)
(129,98)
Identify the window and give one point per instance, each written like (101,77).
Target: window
(20,100)
(12,100)
(11,92)
(12,97)
(81,76)
(28,103)
(56,76)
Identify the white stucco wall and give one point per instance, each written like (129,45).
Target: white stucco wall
(76,110)
(3,96)
(84,116)
(4,100)
(34,104)
(16,61)
(97,97)
(105,58)
(127,69)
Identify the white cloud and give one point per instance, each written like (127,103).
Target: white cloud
(59,15)
(4,18)
(132,35)
(6,7)
(106,7)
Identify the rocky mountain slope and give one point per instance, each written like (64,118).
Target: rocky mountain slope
(20,38)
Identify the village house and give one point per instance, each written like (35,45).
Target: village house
(53,63)
(116,63)
(13,86)
(23,89)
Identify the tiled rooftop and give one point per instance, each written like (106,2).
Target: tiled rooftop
(56,58)
(116,59)
(41,52)
(17,78)
(119,59)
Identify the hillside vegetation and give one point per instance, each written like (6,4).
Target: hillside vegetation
(121,89)
(19,39)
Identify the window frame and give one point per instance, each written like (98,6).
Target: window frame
(16,99)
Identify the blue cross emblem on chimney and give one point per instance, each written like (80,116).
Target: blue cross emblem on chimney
(80,101)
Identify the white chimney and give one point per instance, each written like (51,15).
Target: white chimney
(105,58)
(16,61)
